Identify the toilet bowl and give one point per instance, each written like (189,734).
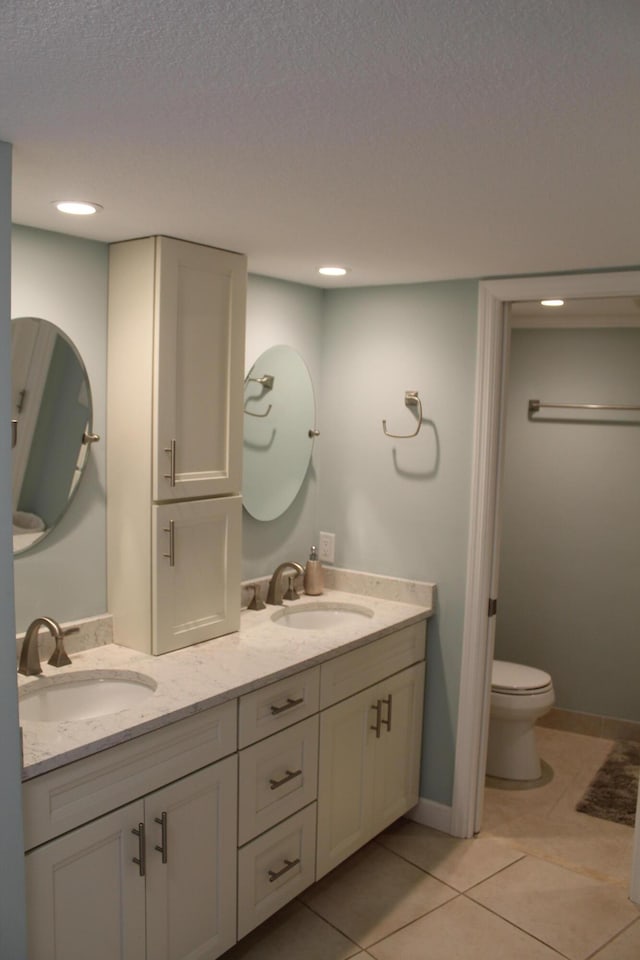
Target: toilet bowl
(519,695)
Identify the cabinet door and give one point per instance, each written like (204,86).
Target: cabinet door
(345,779)
(198,370)
(397,750)
(196,572)
(85,895)
(369,764)
(191,898)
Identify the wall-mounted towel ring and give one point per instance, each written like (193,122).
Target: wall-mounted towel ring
(265,381)
(411,399)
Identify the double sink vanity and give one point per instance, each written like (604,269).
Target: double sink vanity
(184,782)
(171,804)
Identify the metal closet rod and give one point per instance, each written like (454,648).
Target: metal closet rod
(535,405)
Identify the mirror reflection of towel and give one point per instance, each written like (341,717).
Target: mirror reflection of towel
(27,521)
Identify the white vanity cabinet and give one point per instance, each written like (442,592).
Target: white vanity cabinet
(369,742)
(156,877)
(88,897)
(174,420)
(174,844)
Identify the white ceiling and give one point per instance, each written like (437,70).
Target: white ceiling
(409,139)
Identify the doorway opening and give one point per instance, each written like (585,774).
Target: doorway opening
(483,555)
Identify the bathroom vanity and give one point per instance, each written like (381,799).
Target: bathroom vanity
(263,759)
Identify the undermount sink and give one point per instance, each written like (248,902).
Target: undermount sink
(83,695)
(321,616)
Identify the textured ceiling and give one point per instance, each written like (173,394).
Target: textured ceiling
(409,139)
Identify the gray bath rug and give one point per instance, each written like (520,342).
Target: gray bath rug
(612,794)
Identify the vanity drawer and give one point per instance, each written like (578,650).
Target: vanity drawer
(275,868)
(78,792)
(354,671)
(278,776)
(270,709)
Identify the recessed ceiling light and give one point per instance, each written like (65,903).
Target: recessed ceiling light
(78,208)
(552,303)
(332,271)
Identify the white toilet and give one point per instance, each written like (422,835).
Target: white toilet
(519,695)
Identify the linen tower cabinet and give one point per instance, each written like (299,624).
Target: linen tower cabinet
(174,443)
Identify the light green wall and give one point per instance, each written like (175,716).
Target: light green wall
(12,905)
(64,279)
(397,507)
(400,507)
(570,562)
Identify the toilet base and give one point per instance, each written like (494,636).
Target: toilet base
(512,752)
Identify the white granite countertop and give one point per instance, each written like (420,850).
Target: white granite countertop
(204,675)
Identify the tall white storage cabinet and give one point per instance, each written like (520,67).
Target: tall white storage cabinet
(174,443)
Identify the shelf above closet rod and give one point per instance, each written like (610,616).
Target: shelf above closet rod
(535,406)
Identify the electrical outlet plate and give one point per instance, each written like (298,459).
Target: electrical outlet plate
(327,547)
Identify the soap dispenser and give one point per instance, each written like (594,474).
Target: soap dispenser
(313,575)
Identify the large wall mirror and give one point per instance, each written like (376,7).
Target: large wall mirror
(279,430)
(52,419)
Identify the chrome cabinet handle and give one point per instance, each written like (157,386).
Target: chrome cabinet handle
(290,775)
(171,556)
(171,476)
(388,702)
(162,846)
(286,706)
(289,865)
(141,859)
(378,709)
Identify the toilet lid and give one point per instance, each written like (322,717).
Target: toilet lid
(516,678)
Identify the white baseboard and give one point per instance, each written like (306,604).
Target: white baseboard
(431,814)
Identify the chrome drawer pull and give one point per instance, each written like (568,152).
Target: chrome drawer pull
(141,859)
(388,702)
(162,846)
(289,865)
(378,709)
(171,476)
(287,706)
(290,775)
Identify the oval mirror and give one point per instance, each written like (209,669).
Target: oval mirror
(279,429)
(52,414)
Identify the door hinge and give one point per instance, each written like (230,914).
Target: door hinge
(493,606)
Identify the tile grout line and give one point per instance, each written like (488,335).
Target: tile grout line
(515,926)
(603,946)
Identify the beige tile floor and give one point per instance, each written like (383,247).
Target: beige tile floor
(541,882)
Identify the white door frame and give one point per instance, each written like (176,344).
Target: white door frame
(477,643)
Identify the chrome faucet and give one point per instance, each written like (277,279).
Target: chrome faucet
(29,659)
(274,593)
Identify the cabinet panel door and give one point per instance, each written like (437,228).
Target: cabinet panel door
(191,899)
(397,753)
(196,571)
(198,370)
(85,896)
(345,781)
